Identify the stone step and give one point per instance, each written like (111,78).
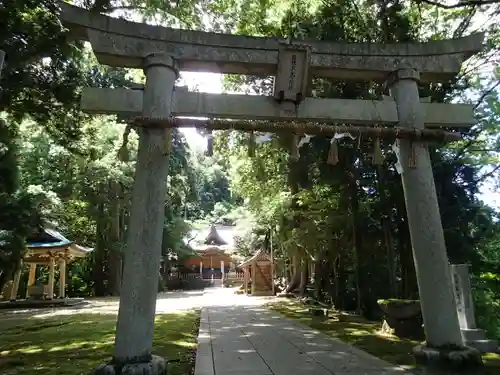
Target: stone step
(473,334)
(484,346)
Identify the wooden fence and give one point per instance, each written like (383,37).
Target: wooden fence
(206,276)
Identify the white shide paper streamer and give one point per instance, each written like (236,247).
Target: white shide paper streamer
(395,148)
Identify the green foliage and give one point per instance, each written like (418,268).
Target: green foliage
(487,303)
(486,283)
(210,181)
(184,13)
(42,72)
(83,193)
(19,216)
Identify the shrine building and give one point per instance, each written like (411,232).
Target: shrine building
(213,255)
(46,248)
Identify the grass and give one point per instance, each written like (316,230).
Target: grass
(77,344)
(366,335)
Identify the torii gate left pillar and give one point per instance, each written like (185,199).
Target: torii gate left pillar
(136,315)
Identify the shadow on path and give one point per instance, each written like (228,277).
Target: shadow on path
(239,336)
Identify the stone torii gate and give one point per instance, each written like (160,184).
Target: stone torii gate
(163,52)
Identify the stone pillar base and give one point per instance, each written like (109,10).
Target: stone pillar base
(156,366)
(459,360)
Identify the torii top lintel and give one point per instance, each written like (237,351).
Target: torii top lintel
(122,43)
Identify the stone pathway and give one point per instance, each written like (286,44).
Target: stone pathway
(251,340)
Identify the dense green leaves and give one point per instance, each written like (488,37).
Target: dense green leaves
(19,215)
(42,72)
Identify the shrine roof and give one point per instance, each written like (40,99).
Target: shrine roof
(212,249)
(259,255)
(48,238)
(213,236)
(80,249)
(52,240)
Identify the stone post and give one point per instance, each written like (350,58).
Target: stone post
(31,278)
(201,269)
(136,315)
(52,273)
(62,278)
(426,232)
(463,295)
(222,269)
(472,336)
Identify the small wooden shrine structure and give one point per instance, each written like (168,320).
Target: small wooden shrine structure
(211,256)
(47,248)
(259,271)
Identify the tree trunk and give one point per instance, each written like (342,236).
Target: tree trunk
(115,258)
(341,281)
(267,241)
(288,270)
(8,274)
(4,278)
(385,221)
(304,276)
(124,214)
(339,253)
(98,272)
(363,274)
(295,276)
(320,271)
(297,177)
(318,279)
(409,288)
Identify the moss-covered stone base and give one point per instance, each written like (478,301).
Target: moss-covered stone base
(156,366)
(444,360)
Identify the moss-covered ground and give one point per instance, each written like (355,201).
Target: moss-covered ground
(76,344)
(365,335)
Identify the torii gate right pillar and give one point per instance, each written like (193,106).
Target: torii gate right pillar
(426,231)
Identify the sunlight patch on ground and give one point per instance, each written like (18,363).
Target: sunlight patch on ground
(30,350)
(74,345)
(73,341)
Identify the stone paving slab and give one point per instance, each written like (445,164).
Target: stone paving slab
(244,340)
